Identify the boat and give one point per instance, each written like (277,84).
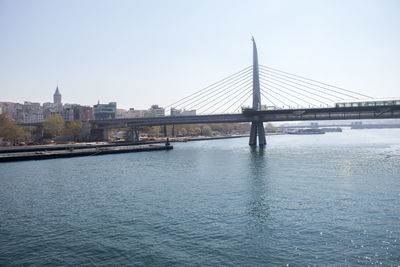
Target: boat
(307,131)
(338,129)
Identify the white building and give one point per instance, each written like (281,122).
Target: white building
(155,111)
(184,112)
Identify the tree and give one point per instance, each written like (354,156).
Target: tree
(53,125)
(194,131)
(154,131)
(206,131)
(183,131)
(9,131)
(75,128)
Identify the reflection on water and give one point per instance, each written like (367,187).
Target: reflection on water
(258,207)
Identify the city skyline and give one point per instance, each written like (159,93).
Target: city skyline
(143,53)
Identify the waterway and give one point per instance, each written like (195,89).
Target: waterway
(304,200)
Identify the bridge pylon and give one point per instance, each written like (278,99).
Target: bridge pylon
(257,127)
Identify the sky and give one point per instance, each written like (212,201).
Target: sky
(139,53)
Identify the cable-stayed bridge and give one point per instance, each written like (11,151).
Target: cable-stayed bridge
(260,94)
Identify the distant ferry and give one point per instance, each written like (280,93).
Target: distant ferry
(307,131)
(337,129)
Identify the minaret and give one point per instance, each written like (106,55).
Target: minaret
(257,127)
(57,98)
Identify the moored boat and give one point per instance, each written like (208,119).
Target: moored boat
(307,131)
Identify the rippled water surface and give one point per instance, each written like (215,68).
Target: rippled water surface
(325,199)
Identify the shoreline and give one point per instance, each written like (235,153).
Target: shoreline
(80,152)
(54,151)
(55,147)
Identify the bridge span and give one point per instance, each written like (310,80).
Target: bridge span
(313,114)
(281,90)
(99,128)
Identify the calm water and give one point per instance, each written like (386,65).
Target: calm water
(326,199)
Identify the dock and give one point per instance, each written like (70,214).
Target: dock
(79,152)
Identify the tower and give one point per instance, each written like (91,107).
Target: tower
(257,127)
(57,98)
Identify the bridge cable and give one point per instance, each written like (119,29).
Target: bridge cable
(268,86)
(231,98)
(283,91)
(217,95)
(294,91)
(245,96)
(235,96)
(212,105)
(266,92)
(270,72)
(243,102)
(215,91)
(222,97)
(305,90)
(213,85)
(317,82)
(271,92)
(261,92)
(278,77)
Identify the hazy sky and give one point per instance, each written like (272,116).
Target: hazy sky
(139,53)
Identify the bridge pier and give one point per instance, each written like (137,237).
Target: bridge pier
(257,128)
(165,131)
(132,135)
(105,135)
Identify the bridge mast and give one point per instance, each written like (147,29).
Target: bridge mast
(257,127)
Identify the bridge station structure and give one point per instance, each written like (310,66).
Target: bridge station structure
(287,97)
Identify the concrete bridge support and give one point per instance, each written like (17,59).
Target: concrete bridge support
(165,131)
(105,135)
(132,135)
(257,128)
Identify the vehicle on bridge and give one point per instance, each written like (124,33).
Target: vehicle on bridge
(263,107)
(368,103)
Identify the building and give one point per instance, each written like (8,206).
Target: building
(105,111)
(175,112)
(180,112)
(122,113)
(48,105)
(30,112)
(67,114)
(155,111)
(57,98)
(188,112)
(136,113)
(83,113)
(35,116)
(28,106)
(11,109)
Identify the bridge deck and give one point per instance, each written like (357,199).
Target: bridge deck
(312,114)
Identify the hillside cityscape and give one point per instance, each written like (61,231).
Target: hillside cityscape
(34,112)
(70,122)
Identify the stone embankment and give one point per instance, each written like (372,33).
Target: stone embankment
(69,152)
